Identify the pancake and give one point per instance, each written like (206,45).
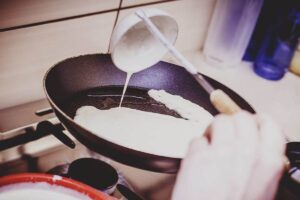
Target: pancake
(153,133)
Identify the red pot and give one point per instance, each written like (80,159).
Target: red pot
(54,180)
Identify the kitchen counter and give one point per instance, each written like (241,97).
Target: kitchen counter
(279,99)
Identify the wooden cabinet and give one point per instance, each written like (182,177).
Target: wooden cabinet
(20,12)
(139,2)
(26,54)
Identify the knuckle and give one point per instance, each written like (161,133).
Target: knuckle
(243,114)
(220,118)
(274,163)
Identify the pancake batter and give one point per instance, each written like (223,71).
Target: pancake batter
(145,131)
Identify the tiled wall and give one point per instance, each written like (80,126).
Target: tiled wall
(35,34)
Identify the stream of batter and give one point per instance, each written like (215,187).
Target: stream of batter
(128,76)
(149,132)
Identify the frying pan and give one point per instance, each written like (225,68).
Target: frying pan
(87,79)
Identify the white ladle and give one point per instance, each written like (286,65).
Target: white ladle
(133,48)
(128,50)
(165,27)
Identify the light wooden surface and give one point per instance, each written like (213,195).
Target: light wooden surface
(20,12)
(138,2)
(26,54)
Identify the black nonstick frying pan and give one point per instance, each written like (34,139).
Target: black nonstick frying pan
(94,80)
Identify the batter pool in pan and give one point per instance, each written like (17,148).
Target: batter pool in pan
(149,132)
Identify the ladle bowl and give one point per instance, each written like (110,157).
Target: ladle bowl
(133,47)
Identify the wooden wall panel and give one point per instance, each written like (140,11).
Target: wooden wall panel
(138,2)
(26,54)
(20,12)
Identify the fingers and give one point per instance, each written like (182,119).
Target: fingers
(272,137)
(198,145)
(243,154)
(197,152)
(272,145)
(222,131)
(246,129)
(247,137)
(194,167)
(269,164)
(272,154)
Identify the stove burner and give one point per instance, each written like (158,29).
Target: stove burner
(95,173)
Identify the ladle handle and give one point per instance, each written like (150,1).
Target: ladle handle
(223,103)
(159,36)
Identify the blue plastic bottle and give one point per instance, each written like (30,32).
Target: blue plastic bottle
(278,47)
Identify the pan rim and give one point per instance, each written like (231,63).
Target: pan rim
(53,104)
(127,151)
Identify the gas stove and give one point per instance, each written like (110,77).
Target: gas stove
(27,144)
(30,142)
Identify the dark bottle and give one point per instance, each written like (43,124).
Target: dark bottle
(278,47)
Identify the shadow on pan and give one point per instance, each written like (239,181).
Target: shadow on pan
(94,80)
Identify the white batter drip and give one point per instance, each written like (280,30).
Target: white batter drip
(128,76)
(145,131)
(38,191)
(183,107)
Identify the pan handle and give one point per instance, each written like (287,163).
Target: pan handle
(128,193)
(223,102)
(290,183)
(48,127)
(293,153)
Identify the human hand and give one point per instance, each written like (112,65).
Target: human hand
(241,158)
